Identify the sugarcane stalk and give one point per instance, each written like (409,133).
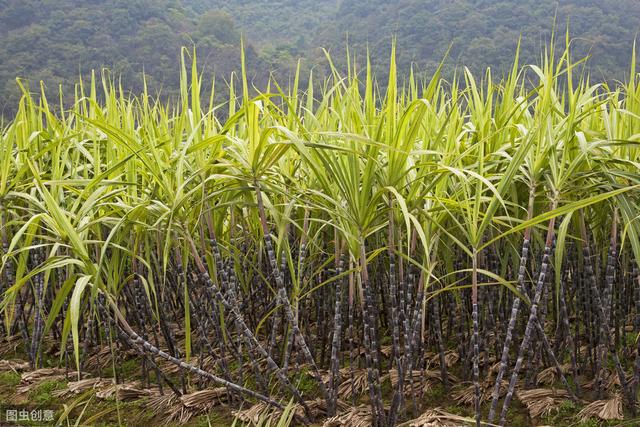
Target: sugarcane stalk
(475,339)
(38,322)
(524,346)
(601,312)
(209,284)
(440,342)
(395,322)
(416,336)
(302,253)
(370,339)
(636,365)
(282,294)
(515,308)
(337,339)
(350,314)
(146,345)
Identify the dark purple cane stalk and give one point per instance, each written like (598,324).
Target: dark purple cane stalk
(475,340)
(536,352)
(131,293)
(605,331)
(38,322)
(504,360)
(440,343)
(586,309)
(337,338)
(106,322)
(6,278)
(612,258)
(531,323)
(395,334)
(202,325)
(350,314)
(324,304)
(370,339)
(229,280)
(209,284)
(20,316)
(168,334)
(416,336)
(636,298)
(564,317)
(302,253)
(636,366)
(275,329)
(547,347)
(282,297)
(139,297)
(140,342)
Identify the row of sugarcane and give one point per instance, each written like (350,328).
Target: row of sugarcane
(301,236)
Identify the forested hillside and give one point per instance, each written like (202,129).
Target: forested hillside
(54,41)
(484,33)
(481,33)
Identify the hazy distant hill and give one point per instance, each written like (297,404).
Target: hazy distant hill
(485,32)
(482,32)
(55,40)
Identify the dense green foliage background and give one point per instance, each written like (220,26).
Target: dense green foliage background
(485,32)
(56,40)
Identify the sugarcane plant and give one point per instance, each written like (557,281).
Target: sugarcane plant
(372,241)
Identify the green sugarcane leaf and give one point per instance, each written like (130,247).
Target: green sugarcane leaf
(74,311)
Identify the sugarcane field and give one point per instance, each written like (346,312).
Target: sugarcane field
(332,250)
